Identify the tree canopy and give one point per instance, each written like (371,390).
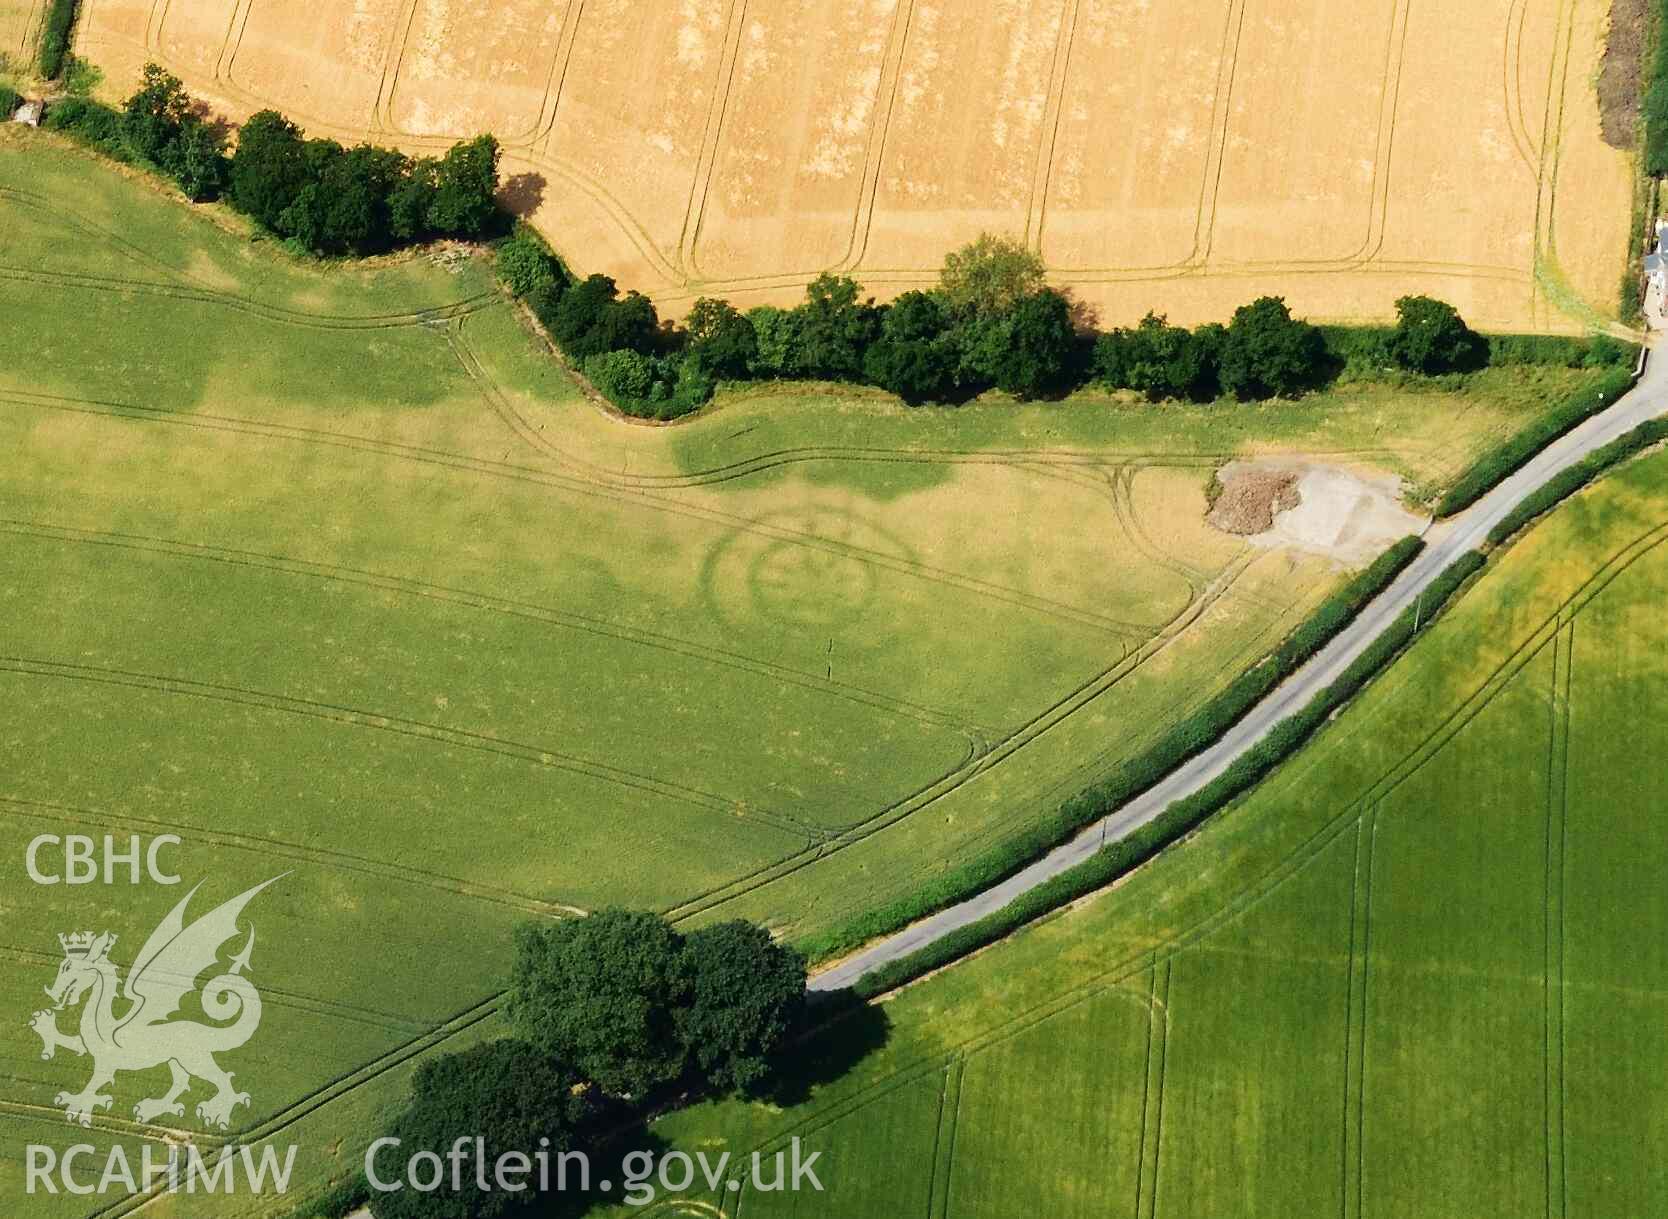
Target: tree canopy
(1431,337)
(600,993)
(1268,353)
(361,200)
(635,1006)
(991,275)
(746,993)
(507,1093)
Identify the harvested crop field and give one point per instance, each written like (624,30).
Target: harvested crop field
(1183,157)
(19,28)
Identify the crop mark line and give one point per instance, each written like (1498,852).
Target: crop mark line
(601,483)
(1512,78)
(999,751)
(29,34)
(393,59)
(407,586)
(415,729)
(877,128)
(943,1140)
(289,1000)
(1152,1116)
(1551,139)
(585,486)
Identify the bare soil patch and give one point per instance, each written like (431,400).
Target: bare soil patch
(1622,73)
(1348,516)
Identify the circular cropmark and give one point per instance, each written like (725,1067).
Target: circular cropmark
(810,569)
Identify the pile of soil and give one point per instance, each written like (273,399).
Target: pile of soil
(1250,498)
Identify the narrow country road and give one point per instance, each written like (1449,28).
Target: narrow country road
(1446,541)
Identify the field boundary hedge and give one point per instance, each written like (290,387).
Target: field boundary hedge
(1186,739)
(1506,459)
(55,37)
(1553,492)
(1187,814)
(1656,95)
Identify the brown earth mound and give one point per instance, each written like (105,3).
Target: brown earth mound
(1251,497)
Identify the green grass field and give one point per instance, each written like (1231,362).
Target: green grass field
(329,570)
(1419,972)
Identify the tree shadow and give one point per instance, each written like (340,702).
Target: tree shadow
(622,1150)
(522,194)
(839,1030)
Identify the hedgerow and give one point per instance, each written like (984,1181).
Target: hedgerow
(1549,494)
(91,122)
(1656,100)
(1187,814)
(1184,740)
(55,37)
(10,100)
(1506,459)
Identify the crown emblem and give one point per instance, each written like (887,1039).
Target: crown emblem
(77,943)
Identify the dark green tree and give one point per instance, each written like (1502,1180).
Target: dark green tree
(630,323)
(579,316)
(1156,359)
(776,334)
(1025,350)
(1431,337)
(411,198)
(746,996)
(915,356)
(626,378)
(197,161)
(508,1093)
(525,266)
(269,167)
(465,201)
(154,115)
(722,338)
(1268,353)
(601,993)
(835,329)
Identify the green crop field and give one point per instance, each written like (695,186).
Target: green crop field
(1421,972)
(331,571)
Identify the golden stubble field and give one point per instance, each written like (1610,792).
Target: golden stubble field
(1183,155)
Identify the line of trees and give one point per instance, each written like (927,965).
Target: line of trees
(324,198)
(612,1016)
(992,321)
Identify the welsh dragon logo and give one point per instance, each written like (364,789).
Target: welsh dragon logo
(145,1034)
